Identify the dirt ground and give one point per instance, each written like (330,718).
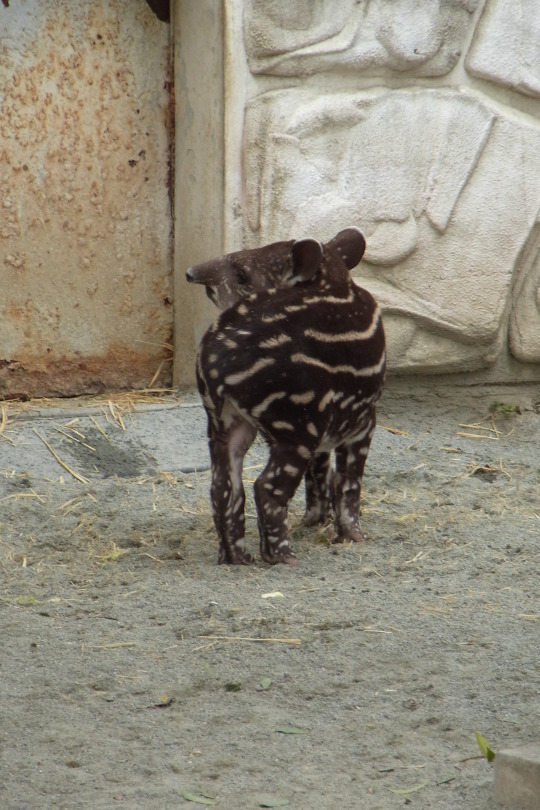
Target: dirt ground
(136,673)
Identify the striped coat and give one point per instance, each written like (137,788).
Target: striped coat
(304,365)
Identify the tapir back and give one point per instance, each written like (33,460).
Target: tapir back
(287,357)
(302,362)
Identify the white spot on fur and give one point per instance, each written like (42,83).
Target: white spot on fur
(302,399)
(347,402)
(331,299)
(280,425)
(368,371)
(262,406)
(290,470)
(275,341)
(362,403)
(339,337)
(326,400)
(273,318)
(241,376)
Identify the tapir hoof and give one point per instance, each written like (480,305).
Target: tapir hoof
(284,554)
(234,556)
(350,535)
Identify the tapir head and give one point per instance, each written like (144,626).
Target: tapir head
(279,265)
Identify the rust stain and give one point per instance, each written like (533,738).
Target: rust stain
(117,369)
(85,221)
(170,112)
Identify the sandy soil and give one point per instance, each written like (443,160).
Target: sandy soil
(134,670)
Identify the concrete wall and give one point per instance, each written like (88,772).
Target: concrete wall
(198,27)
(85,215)
(417,121)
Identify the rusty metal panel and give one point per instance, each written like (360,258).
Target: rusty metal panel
(85,214)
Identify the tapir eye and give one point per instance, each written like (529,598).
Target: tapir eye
(241,277)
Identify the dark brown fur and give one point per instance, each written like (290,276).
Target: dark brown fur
(304,365)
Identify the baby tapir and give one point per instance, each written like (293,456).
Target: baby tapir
(303,362)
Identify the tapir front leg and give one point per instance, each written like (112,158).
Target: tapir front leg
(318,483)
(274,489)
(347,484)
(228,445)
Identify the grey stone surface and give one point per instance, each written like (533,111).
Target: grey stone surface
(314,36)
(517,776)
(335,117)
(505,48)
(450,166)
(409,643)
(170,438)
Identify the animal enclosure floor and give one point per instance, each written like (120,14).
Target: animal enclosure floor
(136,673)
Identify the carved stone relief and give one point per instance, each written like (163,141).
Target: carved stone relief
(443,180)
(301,38)
(446,190)
(506,48)
(525,316)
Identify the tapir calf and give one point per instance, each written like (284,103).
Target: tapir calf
(299,355)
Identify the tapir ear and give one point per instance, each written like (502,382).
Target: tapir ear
(306,257)
(350,244)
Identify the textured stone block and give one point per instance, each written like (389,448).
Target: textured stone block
(449,167)
(304,37)
(505,47)
(517,777)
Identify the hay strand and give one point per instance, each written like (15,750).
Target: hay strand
(249,638)
(117,645)
(477,436)
(73,438)
(98,426)
(4,419)
(63,464)
(393,430)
